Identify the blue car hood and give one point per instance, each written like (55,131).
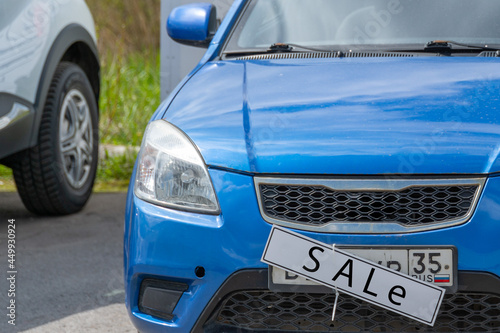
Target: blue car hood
(429,115)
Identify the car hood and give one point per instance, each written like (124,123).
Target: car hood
(429,115)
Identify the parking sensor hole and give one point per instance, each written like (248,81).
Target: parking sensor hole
(199,271)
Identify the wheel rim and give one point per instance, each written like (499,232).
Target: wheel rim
(76,138)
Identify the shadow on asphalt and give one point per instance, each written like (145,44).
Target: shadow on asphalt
(65,265)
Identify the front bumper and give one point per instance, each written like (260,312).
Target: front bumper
(16,121)
(170,245)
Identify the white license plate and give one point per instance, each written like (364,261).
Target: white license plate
(356,276)
(430,264)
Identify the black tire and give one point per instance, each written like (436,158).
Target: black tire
(47,176)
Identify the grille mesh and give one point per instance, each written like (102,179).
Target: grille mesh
(269,311)
(414,206)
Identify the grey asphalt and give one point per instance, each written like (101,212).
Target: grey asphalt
(69,269)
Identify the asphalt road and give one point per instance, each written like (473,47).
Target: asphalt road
(69,269)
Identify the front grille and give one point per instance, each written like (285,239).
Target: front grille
(260,310)
(413,206)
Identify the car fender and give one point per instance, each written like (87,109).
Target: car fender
(69,36)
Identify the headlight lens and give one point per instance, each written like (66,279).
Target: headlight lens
(171,171)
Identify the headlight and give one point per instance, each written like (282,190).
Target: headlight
(171,171)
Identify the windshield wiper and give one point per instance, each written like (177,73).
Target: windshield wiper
(446,46)
(277,48)
(439,46)
(288,47)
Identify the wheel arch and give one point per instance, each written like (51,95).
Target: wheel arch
(73,44)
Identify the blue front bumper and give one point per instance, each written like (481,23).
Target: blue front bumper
(169,245)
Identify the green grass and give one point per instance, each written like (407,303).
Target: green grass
(6,180)
(114,172)
(127,26)
(130,95)
(5,172)
(128,33)
(117,167)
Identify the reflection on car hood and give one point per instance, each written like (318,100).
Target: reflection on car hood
(345,116)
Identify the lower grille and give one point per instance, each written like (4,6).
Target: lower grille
(262,310)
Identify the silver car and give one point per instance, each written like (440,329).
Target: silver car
(49,91)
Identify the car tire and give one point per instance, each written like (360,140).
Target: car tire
(56,176)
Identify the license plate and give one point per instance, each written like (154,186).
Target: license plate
(430,264)
(356,276)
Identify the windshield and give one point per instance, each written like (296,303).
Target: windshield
(333,24)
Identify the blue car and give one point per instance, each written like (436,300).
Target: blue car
(312,132)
